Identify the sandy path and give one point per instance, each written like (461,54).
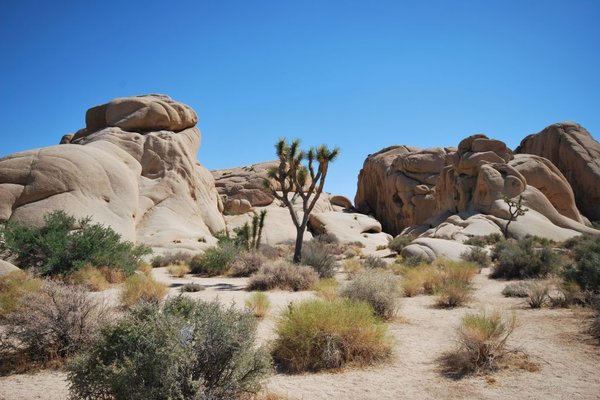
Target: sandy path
(555,338)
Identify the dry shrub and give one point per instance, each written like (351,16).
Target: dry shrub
(246,264)
(178,270)
(141,288)
(54,322)
(13,286)
(595,327)
(145,268)
(90,277)
(327,289)
(477,255)
(399,242)
(454,287)
(462,271)
(516,289)
(316,334)
(537,293)
(412,282)
(565,294)
(318,255)
(381,289)
(431,278)
(453,293)
(191,287)
(271,252)
(258,304)
(482,341)
(374,262)
(352,267)
(283,275)
(112,275)
(171,258)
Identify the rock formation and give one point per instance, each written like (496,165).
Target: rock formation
(132,167)
(576,154)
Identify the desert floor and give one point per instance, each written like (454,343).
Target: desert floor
(555,339)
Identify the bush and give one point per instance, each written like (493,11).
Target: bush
(13,286)
(90,277)
(316,254)
(482,241)
(246,264)
(178,270)
(400,242)
(189,350)
(412,282)
(452,293)
(374,262)
(477,255)
(327,289)
(114,275)
(585,269)
(283,275)
(316,334)
(55,249)
(327,237)
(191,287)
(142,288)
(352,267)
(258,304)
(215,260)
(380,289)
(179,257)
(516,289)
(518,260)
(56,321)
(537,294)
(595,327)
(414,261)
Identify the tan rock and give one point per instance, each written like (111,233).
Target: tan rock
(7,268)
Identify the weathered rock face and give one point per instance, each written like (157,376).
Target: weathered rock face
(576,154)
(397,185)
(126,170)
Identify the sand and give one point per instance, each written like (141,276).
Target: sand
(555,339)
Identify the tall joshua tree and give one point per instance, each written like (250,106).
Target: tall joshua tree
(293,177)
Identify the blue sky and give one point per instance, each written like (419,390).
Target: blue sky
(361,75)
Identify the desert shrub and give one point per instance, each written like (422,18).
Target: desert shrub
(141,288)
(258,304)
(191,287)
(477,255)
(595,326)
(521,259)
(56,249)
(462,271)
(271,252)
(316,334)
(414,261)
(516,289)
(482,343)
(381,289)
(537,293)
(55,321)
(215,260)
(327,289)
(327,237)
(283,275)
(246,264)
(374,262)
(90,277)
(170,258)
(585,270)
(178,270)
(566,293)
(13,286)
(145,268)
(350,253)
(113,275)
(431,278)
(189,350)
(399,242)
(317,255)
(482,241)
(352,266)
(452,293)
(412,282)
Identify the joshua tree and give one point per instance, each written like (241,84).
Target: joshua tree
(300,181)
(249,237)
(515,209)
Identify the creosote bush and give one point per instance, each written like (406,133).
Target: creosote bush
(400,242)
(258,304)
(187,350)
(524,259)
(13,286)
(316,254)
(215,260)
(142,288)
(381,289)
(283,275)
(56,248)
(316,334)
(246,264)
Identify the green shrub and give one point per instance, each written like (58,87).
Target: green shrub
(316,254)
(215,260)
(316,334)
(520,259)
(179,257)
(482,241)
(400,242)
(56,249)
(477,255)
(414,261)
(283,275)
(585,270)
(381,289)
(190,350)
(374,262)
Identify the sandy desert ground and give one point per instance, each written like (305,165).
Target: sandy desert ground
(555,339)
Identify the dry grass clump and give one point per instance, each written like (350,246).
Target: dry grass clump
(374,262)
(141,288)
(381,289)
(454,287)
(246,264)
(113,275)
(316,334)
(453,294)
(352,266)
(144,268)
(327,289)
(13,286)
(412,282)
(90,277)
(171,258)
(516,289)
(537,293)
(283,275)
(178,270)
(258,304)
(482,341)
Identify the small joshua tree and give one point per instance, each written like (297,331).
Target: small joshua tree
(515,209)
(293,177)
(250,236)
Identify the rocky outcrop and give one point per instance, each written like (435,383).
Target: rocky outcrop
(132,167)
(576,154)
(7,268)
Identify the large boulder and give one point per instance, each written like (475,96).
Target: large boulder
(133,167)
(576,154)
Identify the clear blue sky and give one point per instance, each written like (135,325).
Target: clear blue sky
(358,74)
